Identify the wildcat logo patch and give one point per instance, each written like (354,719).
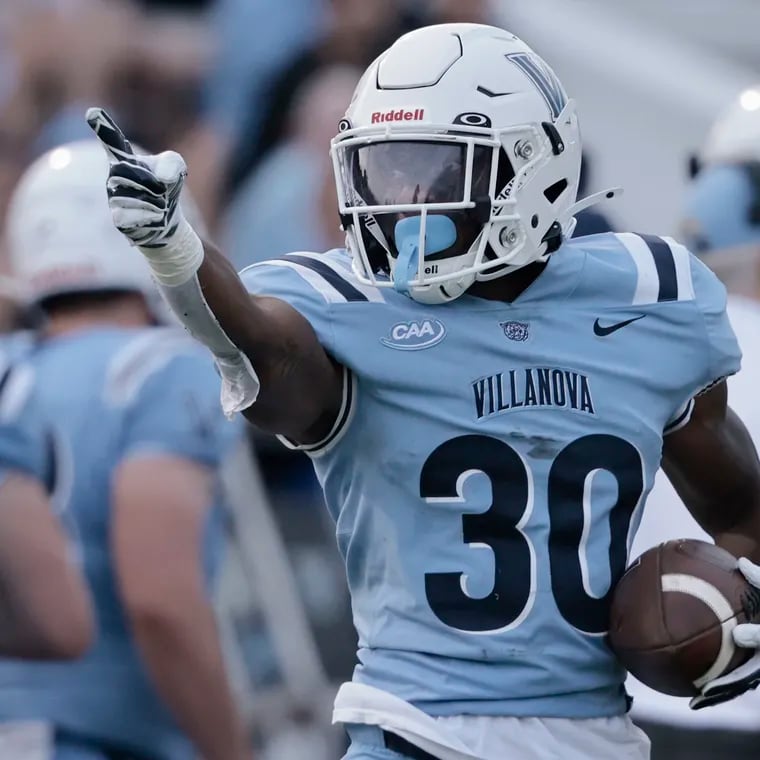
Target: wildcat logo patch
(515,330)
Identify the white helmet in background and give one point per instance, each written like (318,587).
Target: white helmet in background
(735,135)
(61,238)
(458,160)
(721,209)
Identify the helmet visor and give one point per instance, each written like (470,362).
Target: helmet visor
(415,172)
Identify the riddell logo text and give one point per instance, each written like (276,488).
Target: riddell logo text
(401,115)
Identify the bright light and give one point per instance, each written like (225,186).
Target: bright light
(60,158)
(750,100)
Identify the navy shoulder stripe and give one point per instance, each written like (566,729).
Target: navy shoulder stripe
(665,265)
(327,273)
(663,269)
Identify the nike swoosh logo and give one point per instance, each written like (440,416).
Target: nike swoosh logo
(602,330)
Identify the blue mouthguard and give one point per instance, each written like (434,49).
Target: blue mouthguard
(440,234)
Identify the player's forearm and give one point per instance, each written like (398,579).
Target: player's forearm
(238,314)
(45,609)
(41,634)
(234,308)
(267,357)
(722,489)
(300,388)
(730,513)
(56,619)
(183,655)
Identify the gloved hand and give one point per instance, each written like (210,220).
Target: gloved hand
(746,676)
(144,197)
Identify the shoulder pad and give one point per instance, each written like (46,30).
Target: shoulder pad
(328,274)
(140,358)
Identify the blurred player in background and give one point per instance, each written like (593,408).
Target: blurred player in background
(139,436)
(481,397)
(45,610)
(721,223)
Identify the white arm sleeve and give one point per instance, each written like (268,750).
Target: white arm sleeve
(175,267)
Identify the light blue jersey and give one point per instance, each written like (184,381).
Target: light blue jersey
(110,394)
(488,469)
(24,445)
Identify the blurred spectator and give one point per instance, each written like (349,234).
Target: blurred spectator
(253,38)
(52,55)
(56,55)
(460,12)
(157,90)
(289,204)
(177,5)
(60,57)
(357,33)
(251,86)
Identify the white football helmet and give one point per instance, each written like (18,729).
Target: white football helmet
(735,135)
(60,234)
(458,160)
(721,209)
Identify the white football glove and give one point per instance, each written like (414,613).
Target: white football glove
(144,198)
(747,676)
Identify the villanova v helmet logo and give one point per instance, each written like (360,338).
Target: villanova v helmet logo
(544,79)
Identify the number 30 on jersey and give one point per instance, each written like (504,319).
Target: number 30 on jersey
(501,528)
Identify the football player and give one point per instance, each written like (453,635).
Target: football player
(139,436)
(45,610)
(722,222)
(486,401)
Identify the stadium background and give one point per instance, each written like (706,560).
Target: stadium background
(250,91)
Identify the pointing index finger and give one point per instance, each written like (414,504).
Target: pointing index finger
(109,134)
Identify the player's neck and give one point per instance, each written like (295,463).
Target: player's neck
(509,287)
(126,311)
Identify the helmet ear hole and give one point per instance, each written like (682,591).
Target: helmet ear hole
(554,191)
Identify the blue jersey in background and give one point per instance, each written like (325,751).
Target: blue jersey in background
(110,394)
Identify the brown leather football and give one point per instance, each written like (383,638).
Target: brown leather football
(673,612)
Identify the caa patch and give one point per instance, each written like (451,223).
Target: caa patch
(416,335)
(515,330)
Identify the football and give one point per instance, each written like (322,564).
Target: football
(673,612)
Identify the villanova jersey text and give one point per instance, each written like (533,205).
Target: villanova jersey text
(532,386)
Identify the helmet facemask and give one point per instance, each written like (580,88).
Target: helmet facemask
(463,185)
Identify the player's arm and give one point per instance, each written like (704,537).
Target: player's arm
(713,465)
(45,610)
(266,351)
(161,504)
(300,392)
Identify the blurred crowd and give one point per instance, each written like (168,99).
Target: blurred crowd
(249,91)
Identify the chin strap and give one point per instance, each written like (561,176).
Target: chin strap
(568,226)
(591,200)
